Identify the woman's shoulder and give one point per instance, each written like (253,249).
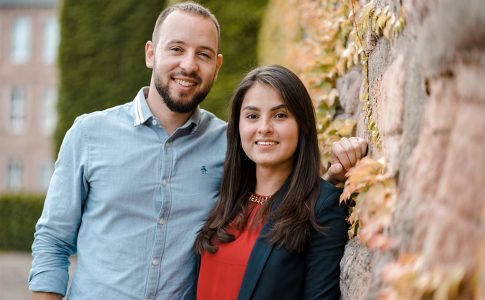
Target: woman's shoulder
(329,196)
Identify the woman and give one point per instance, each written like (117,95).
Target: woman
(277,231)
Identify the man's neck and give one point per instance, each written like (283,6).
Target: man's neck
(169,120)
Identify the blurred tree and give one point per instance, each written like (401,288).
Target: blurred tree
(240,22)
(101,55)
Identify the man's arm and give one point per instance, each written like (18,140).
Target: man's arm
(345,154)
(45,296)
(56,231)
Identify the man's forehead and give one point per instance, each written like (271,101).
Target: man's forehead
(176,16)
(179,26)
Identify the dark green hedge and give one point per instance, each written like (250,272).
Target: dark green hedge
(102,59)
(240,22)
(18,216)
(102,55)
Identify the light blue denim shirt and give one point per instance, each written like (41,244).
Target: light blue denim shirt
(128,200)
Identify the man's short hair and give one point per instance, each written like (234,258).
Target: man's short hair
(187,7)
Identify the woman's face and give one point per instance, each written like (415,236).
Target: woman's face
(269,131)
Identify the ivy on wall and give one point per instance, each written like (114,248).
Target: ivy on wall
(373,193)
(339,36)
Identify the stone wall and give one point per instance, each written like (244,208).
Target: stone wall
(427,94)
(427,89)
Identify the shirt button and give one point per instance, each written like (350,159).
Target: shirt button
(161,221)
(154,122)
(155,262)
(164,182)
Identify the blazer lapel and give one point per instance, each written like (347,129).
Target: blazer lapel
(260,253)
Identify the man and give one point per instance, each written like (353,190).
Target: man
(133,184)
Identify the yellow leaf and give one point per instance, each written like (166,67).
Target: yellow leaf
(388,27)
(374,19)
(347,127)
(381,22)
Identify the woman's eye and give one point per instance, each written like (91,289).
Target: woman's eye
(251,116)
(281,115)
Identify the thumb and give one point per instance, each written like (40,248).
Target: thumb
(335,169)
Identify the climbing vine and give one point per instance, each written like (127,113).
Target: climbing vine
(369,24)
(340,36)
(410,278)
(372,194)
(319,55)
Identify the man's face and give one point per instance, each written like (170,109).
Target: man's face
(184,59)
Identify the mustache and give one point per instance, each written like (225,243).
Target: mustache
(192,75)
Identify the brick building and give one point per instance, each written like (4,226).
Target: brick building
(29,37)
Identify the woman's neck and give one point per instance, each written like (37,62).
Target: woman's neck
(270,180)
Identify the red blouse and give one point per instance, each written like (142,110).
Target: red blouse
(221,274)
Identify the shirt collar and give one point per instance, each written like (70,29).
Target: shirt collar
(142,113)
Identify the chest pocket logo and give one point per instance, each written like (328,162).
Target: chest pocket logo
(203,170)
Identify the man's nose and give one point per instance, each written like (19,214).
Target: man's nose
(189,63)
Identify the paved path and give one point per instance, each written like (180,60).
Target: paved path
(14,270)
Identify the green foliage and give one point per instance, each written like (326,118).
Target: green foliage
(101,55)
(18,216)
(240,22)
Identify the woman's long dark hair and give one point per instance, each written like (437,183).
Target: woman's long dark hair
(295,216)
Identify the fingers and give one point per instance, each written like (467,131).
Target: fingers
(348,151)
(363,146)
(355,149)
(335,169)
(336,173)
(339,154)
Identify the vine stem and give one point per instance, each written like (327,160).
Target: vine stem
(361,43)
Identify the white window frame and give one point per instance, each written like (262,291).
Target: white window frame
(15,175)
(17,109)
(21,40)
(50,41)
(48,117)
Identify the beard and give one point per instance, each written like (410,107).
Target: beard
(180,106)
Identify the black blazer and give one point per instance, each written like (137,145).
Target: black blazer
(275,273)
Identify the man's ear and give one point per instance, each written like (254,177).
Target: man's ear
(149,54)
(218,66)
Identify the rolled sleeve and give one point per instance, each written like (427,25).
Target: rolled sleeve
(57,229)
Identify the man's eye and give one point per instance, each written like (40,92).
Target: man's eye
(205,55)
(176,49)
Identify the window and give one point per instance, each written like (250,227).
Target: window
(45,173)
(14,176)
(51,40)
(48,116)
(17,110)
(21,40)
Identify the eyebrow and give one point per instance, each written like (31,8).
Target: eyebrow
(208,48)
(249,107)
